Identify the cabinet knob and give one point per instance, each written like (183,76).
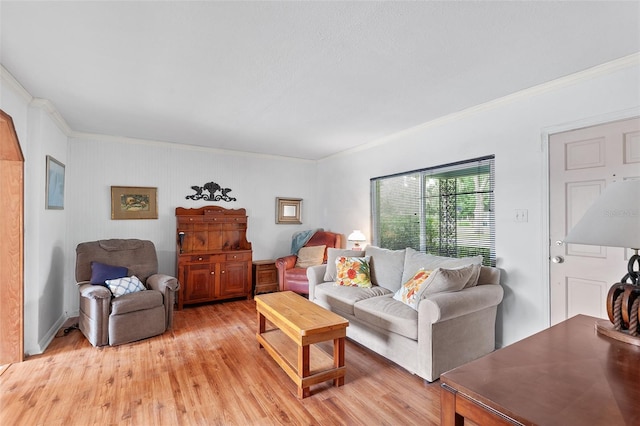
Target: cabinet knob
(213,273)
(199,258)
(223,272)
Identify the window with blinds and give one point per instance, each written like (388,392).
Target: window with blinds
(445,210)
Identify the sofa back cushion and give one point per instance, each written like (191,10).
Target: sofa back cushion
(386,267)
(415,260)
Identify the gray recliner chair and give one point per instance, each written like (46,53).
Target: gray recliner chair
(108,320)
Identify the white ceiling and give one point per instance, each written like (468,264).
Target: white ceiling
(299,79)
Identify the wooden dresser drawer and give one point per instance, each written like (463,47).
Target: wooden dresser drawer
(199,258)
(239,256)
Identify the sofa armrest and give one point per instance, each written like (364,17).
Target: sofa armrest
(444,306)
(167,285)
(315,275)
(286,262)
(282,264)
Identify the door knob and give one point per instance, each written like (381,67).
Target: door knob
(557,259)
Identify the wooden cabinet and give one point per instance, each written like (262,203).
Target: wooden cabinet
(265,276)
(213,256)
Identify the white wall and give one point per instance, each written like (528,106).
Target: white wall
(511,128)
(44,230)
(93,164)
(335,192)
(255,181)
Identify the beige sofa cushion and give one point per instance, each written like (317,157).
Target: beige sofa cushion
(388,314)
(138,301)
(442,279)
(415,260)
(342,298)
(386,267)
(310,256)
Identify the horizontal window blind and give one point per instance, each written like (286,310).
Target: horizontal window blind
(445,210)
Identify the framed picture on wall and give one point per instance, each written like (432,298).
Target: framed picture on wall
(134,202)
(55,184)
(288,210)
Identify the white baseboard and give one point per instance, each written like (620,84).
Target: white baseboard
(48,337)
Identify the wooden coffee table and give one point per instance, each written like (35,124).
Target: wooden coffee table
(300,324)
(565,375)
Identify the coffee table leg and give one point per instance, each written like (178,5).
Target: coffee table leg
(338,359)
(448,415)
(261,325)
(303,369)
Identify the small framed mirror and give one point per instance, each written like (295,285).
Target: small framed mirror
(288,210)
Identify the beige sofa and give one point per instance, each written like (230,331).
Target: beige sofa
(448,328)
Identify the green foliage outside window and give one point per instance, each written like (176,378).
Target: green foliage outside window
(444,211)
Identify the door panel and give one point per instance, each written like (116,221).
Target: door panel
(581,164)
(579,196)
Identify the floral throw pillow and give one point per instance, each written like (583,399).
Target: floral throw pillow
(353,271)
(410,291)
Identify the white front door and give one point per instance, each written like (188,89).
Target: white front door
(581,164)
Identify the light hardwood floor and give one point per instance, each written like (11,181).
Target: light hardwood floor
(207,370)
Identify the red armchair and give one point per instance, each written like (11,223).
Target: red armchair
(295,279)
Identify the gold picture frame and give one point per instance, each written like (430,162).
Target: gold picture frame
(134,202)
(288,210)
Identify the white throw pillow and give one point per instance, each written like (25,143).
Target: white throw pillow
(121,286)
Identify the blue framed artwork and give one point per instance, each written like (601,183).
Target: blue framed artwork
(55,184)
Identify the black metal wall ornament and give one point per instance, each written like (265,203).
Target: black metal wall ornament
(210,191)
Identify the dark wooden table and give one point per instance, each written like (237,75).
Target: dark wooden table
(565,375)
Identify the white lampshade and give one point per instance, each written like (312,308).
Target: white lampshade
(356,235)
(613,220)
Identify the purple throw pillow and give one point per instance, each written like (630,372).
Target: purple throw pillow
(100,272)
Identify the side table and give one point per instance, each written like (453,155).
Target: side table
(564,375)
(265,276)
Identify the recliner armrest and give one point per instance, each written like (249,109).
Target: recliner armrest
(446,305)
(315,275)
(93,291)
(162,282)
(167,285)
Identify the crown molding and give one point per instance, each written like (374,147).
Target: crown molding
(14,84)
(97,137)
(47,106)
(596,71)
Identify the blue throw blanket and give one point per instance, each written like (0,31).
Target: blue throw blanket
(301,238)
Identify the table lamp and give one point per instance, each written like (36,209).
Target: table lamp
(357,237)
(614,221)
